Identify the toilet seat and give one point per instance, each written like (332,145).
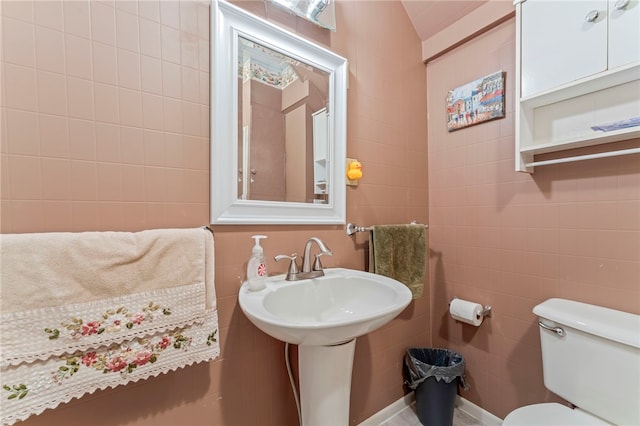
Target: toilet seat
(551,414)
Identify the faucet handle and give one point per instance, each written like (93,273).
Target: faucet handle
(317,266)
(293,266)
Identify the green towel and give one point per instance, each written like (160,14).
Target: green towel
(398,252)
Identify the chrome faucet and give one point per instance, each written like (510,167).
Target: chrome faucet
(306,261)
(307,272)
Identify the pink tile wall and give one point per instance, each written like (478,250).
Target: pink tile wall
(512,240)
(111,133)
(105,109)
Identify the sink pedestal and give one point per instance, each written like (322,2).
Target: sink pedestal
(325,383)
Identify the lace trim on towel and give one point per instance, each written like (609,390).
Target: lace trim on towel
(38,334)
(29,389)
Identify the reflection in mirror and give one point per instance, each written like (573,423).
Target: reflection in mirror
(282,127)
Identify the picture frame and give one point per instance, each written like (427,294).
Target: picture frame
(476,102)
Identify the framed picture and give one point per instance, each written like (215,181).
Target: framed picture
(476,102)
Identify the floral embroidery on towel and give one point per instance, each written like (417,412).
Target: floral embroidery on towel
(112,321)
(212,338)
(16,391)
(122,359)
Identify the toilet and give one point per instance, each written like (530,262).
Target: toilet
(591,358)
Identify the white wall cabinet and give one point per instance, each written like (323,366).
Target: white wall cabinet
(578,66)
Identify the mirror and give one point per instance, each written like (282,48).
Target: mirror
(278,124)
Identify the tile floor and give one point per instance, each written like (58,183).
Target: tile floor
(408,417)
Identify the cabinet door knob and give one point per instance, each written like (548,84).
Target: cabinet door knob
(592,16)
(621,4)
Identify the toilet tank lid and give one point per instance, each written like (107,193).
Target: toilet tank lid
(622,327)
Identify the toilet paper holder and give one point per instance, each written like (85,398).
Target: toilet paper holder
(486,310)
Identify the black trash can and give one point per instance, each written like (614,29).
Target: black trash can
(434,374)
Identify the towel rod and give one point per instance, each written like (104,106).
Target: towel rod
(353,228)
(585,157)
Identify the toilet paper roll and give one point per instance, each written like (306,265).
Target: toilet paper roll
(468,312)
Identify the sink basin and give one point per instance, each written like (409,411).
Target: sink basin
(333,309)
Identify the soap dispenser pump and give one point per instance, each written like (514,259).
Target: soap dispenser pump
(257,267)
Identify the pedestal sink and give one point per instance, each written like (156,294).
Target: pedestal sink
(324,316)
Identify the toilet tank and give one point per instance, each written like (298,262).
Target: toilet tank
(594,363)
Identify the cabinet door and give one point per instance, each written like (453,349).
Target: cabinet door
(624,32)
(559,44)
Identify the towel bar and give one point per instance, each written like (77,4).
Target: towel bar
(353,228)
(584,157)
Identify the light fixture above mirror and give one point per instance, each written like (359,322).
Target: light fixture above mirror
(320,12)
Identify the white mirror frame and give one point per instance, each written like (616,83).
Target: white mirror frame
(228,22)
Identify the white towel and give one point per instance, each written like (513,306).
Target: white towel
(86,311)
(51,269)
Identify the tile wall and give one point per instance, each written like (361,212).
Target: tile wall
(512,240)
(105,127)
(105,109)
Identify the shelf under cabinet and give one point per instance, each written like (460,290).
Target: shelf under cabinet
(562,119)
(593,83)
(583,141)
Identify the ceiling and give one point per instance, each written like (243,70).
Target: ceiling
(429,17)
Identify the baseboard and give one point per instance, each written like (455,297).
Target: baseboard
(390,410)
(485,417)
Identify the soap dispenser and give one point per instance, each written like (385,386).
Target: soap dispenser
(257,267)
